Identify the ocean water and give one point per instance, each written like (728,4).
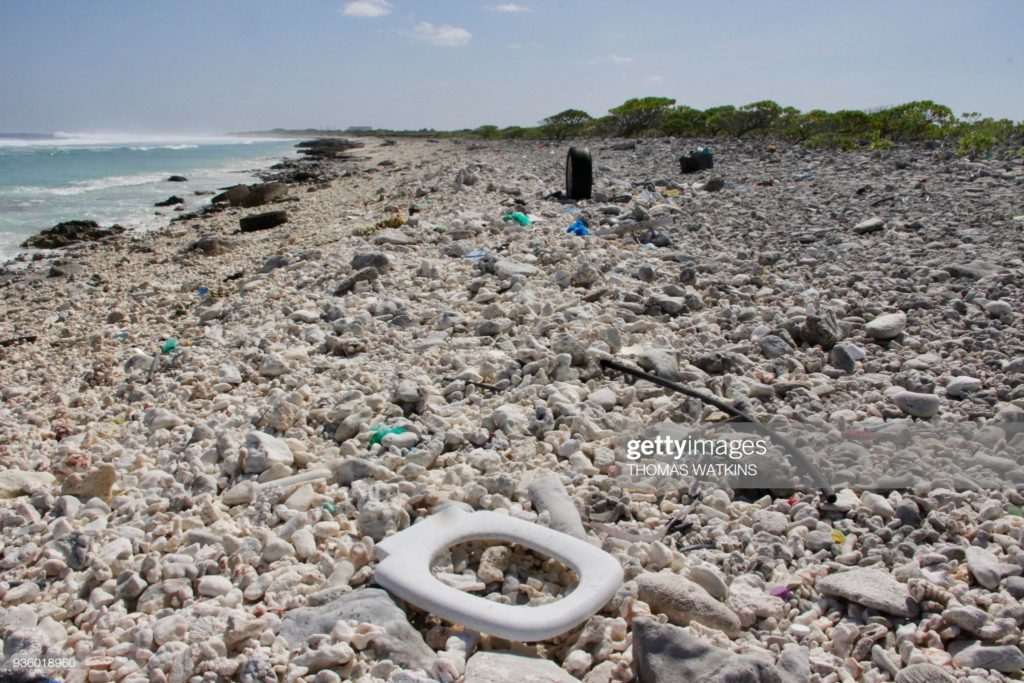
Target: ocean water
(117,179)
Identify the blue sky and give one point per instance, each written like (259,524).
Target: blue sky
(227,65)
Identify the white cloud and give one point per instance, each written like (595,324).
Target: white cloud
(611,59)
(446,35)
(509,7)
(366,9)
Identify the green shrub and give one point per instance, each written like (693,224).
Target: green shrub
(683,121)
(638,114)
(567,124)
(975,143)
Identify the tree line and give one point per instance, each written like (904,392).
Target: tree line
(972,134)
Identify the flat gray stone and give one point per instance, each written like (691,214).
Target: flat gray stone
(958,387)
(872,588)
(492,666)
(975,270)
(1007,659)
(401,643)
(504,267)
(393,237)
(984,566)
(663,653)
(774,347)
(873,224)
(917,405)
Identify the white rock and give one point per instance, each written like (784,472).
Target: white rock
(304,543)
(273,365)
(877,505)
(214,585)
(160,418)
(265,450)
(169,629)
(276,549)
(242,493)
(604,397)
(887,326)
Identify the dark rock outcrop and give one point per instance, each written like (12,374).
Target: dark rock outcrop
(263,221)
(70,232)
(210,246)
(250,196)
(171,201)
(327,148)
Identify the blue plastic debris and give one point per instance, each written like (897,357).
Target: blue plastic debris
(203,291)
(806,175)
(475,255)
(579,228)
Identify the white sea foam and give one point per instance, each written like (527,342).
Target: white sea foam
(84,186)
(133,141)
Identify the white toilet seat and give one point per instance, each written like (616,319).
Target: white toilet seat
(405,571)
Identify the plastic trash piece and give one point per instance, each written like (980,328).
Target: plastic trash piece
(328,506)
(169,345)
(120,336)
(571,209)
(806,175)
(1014,510)
(779,592)
(647,245)
(838,536)
(697,160)
(518,217)
(475,255)
(377,434)
(672,192)
(579,228)
(203,291)
(405,571)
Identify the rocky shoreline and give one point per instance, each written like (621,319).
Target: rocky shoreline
(206,430)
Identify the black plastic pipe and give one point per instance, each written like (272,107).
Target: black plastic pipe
(794,453)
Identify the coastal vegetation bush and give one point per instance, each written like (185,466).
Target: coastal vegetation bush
(924,121)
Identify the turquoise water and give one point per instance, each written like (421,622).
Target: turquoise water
(113,179)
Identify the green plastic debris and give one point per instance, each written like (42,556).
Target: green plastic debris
(518,217)
(329,506)
(377,434)
(1015,510)
(169,345)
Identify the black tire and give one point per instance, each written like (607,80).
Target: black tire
(263,221)
(579,173)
